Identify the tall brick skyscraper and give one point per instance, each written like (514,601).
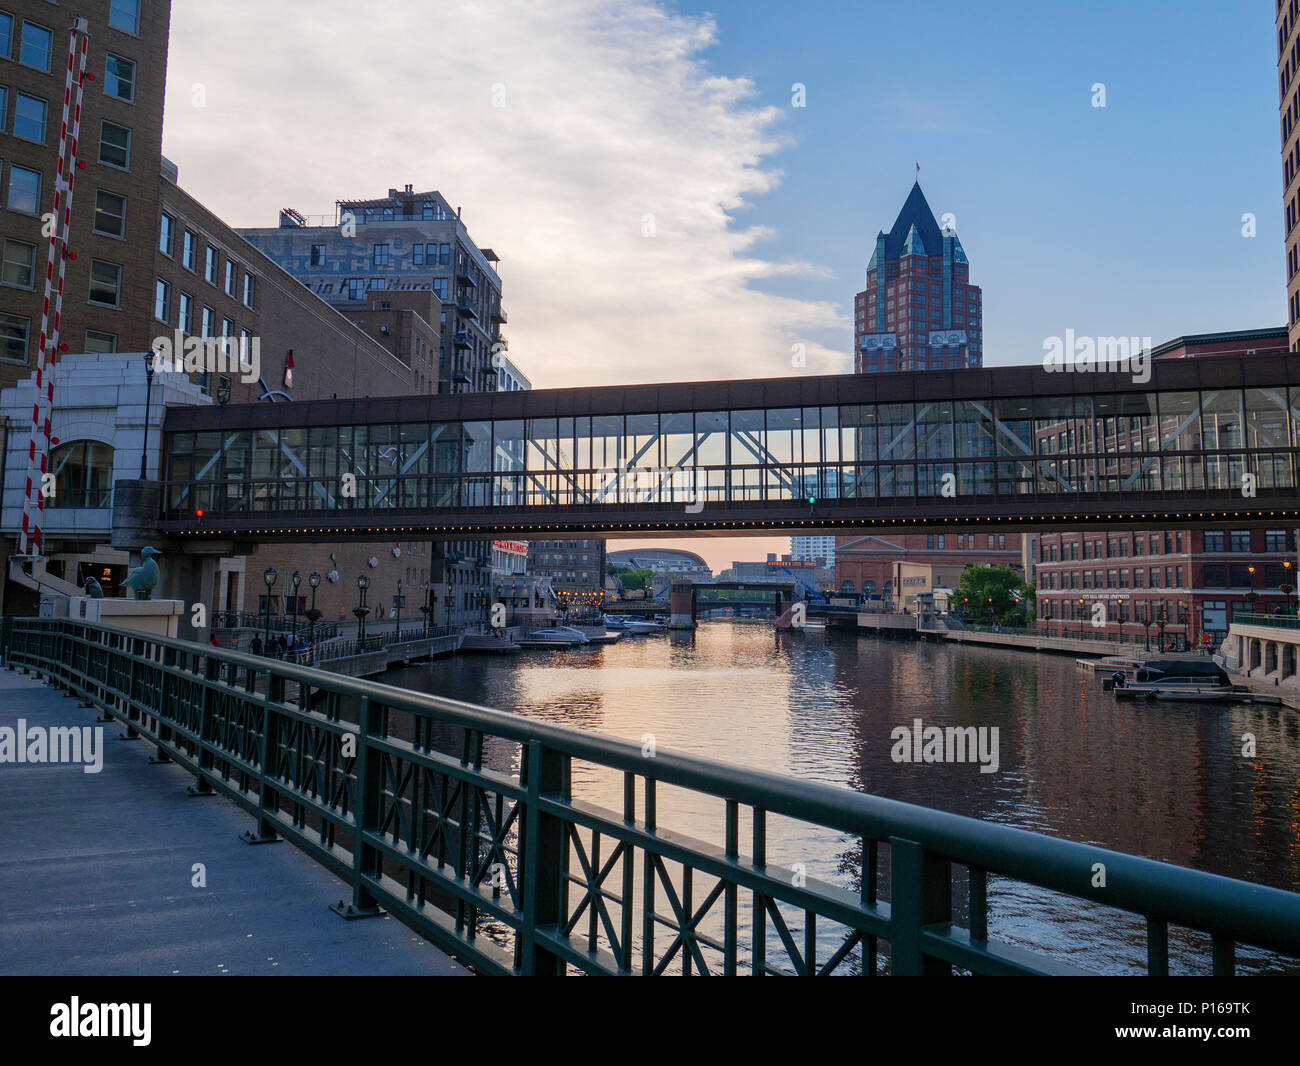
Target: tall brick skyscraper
(1288,64)
(919,310)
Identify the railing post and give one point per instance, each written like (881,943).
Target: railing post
(365,859)
(920,894)
(543,860)
(212,674)
(267,801)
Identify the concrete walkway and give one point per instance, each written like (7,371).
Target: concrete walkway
(96,874)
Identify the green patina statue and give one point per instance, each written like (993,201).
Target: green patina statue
(144,577)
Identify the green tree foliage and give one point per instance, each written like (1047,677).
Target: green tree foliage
(1012,600)
(636,579)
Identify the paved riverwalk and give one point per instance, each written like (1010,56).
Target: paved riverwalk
(98,870)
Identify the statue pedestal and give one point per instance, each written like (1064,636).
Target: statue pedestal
(161,618)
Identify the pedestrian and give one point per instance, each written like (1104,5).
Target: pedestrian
(214,641)
(281,645)
(255,645)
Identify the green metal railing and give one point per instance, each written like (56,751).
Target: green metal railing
(461,822)
(1277,621)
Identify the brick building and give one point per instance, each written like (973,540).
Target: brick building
(1288,87)
(869,565)
(109,287)
(919,310)
(1193,580)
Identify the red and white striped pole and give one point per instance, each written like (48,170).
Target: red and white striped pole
(52,308)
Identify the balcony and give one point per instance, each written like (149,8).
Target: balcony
(465,309)
(462,339)
(466,279)
(499,315)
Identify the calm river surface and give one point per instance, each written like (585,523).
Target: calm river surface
(1165,781)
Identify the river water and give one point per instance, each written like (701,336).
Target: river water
(1165,781)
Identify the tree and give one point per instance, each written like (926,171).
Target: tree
(636,579)
(983,586)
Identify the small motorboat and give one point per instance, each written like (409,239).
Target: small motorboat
(615,622)
(644,629)
(554,637)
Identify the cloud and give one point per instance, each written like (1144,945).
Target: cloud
(610,182)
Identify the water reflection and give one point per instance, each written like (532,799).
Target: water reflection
(1167,782)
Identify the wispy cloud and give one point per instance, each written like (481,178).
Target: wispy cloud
(609,182)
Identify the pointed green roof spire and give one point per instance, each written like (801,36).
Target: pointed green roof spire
(913,245)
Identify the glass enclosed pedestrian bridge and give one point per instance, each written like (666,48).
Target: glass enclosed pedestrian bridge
(1200,441)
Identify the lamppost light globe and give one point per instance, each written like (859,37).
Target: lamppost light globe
(269,576)
(314,580)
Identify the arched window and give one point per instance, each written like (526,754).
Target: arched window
(83,474)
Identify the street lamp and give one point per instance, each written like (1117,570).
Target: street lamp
(427,609)
(990,612)
(399,607)
(312,613)
(1121,612)
(148,390)
(1183,618)
(1286,588)
(361,610)
(1146,626)
(269,575)
(1080,617)
(1162,620)
(297,580)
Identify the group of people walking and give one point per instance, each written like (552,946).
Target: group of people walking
(277,646)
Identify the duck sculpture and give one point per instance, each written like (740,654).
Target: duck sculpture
(144,577)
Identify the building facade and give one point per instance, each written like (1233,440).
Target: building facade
(1191,580)
(869,565)
(402,243)
(919,310)
(813,549)
(1288,85)
(109,286)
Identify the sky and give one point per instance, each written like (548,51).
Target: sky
(687,191)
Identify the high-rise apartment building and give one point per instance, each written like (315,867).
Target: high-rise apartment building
(405,242)
(811,549)
(109,287)
(1288,85)
(919,310)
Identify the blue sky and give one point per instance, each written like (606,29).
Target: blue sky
(1117,221)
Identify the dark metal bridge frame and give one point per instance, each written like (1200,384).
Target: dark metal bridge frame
(429,819)
(1014,447)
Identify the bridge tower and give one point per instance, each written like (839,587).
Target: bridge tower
(681,605)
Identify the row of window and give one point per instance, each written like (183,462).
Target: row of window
(939,541)
(227,275)
(1169,543)
(1214,576)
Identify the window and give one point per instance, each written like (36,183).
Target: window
(119,78)
(114,145)
(37,46)
(162,301)
(4,107)
(83,474)
(417,254)
(250,284)
(356,288)
(6,35)
(1277,540)
(110,213)
(15,337)
(124,15)
(29,118)
(166,234)
(378,283)
(19,264)
(381,255)
(1215,540)
(440,288)
(105,283)
(209,323)
(317,255)
(185,319)
(210,265)
(231,268)
(1240,540)
(24,190)
(189,247)
(97,341)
